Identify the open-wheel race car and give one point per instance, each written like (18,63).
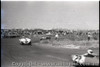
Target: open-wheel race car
(86,60)
(25,41)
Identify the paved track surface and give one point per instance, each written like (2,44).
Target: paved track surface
(12,54)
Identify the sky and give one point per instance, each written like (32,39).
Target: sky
(50,14)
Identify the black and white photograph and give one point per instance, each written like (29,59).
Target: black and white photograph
(49,33)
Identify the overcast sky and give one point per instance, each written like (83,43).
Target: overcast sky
(48,15)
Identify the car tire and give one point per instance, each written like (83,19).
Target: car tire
(30,43)
(21,43)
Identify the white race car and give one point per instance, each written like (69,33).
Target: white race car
(85,61)
(25,41)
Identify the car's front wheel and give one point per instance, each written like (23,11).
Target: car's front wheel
(30,43)
(21,43)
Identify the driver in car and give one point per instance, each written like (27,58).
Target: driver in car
(89,53)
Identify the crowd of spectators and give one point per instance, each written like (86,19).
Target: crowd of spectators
(12,33)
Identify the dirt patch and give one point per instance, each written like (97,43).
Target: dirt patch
(71,44)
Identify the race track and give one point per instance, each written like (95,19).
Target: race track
(12,52)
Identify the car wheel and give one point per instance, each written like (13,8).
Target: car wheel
(30,43)
(21,43)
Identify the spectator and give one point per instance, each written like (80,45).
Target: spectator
(56,36)
(89,36)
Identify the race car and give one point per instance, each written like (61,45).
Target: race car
(45,38)
(83,60)
(25,40)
